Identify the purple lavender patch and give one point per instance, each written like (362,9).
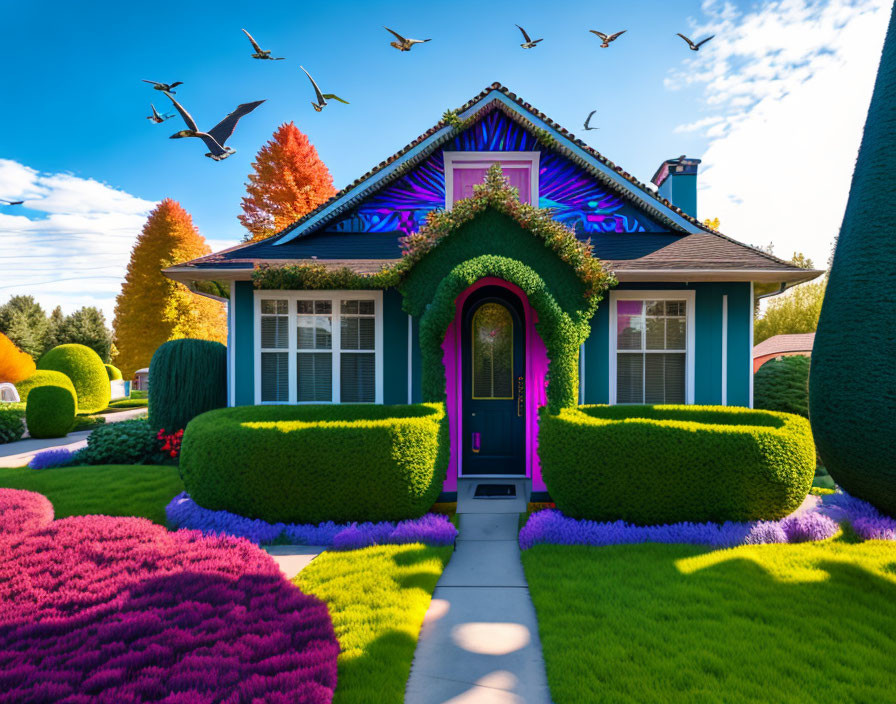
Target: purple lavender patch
(882,528)
(56,457)
(808,526)
(867,521)
(432,529)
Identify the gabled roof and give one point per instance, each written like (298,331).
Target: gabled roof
(690,251)
(496,96)
(779,344)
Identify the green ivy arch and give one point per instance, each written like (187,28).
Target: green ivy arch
(561,331)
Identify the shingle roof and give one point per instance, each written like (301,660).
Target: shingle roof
(779,344)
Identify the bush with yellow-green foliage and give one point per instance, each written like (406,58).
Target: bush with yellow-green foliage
(668,464)
(50,412)
(85,368)
(43,377)
(113,372)
(308,464)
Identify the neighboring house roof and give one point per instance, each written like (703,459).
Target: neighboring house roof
(690,251)
(781,344)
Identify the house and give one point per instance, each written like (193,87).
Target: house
(676,329)
(141,380)
(782,346)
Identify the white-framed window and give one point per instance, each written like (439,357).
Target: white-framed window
(652,347)
(318,347)
(463,170)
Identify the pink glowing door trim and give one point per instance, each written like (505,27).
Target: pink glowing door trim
(536,375)
(465,175)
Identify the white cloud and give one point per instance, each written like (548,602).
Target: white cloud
(787,86)
(69,244)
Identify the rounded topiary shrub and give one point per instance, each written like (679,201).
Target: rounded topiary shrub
(307,464)
(783,385)
(125,442)
(187,377)
(667,464)
(85,368)
(113,372)
(50,412)
(44,377)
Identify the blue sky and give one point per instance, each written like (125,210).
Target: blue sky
(78,148)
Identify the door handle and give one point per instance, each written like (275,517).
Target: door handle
(520,396)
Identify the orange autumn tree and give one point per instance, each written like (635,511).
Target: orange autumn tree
(15,365)
(151,308)
(288,180)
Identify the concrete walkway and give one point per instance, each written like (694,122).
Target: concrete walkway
(292,559)
(20,452)
(479,642)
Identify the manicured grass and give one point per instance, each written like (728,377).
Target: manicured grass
(128,403)
(377,598)
(812,622)
(110,490)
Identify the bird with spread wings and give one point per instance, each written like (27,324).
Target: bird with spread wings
(259,52)
(404,44)
(164,87)
(607,38)
(216,137)
(529,43)
(691,45)
(322,98)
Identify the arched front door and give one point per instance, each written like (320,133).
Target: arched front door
(494,374)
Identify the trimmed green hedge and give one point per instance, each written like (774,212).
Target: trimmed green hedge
(50,412)
(85,368)
(125,442)
(45,377)
(783,385)
(12,422)
(307,464)
(665,464)
(113,372)
(187,377)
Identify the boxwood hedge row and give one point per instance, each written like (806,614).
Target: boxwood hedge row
(666,464)
(307,464)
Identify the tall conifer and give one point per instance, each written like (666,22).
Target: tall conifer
(151,308)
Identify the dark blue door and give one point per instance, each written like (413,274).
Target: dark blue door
(493,345)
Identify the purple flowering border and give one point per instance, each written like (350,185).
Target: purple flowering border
(431,529)
(820,521)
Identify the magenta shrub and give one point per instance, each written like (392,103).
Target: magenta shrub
(99,609)
(22,512)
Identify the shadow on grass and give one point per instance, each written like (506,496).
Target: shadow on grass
(679,623)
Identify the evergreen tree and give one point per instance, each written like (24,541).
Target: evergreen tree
(24,322)
(55,324)
(289,180)
(852,386)
(86,326)
(151,308)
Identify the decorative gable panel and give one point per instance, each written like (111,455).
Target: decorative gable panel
(579,201)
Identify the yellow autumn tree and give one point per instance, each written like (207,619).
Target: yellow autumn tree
(15,365)
(151,308)
(288,180)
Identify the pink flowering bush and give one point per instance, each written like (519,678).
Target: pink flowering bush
(23,511)
(100,609)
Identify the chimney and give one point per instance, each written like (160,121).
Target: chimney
(676,181)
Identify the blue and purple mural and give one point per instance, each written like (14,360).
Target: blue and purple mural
(578,200)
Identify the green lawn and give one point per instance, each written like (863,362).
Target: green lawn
(377,599)
(128,403)
(814,622)
(111,490)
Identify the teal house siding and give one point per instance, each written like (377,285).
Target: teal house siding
(395,349)
(417,364)
(707,344)
(244,344)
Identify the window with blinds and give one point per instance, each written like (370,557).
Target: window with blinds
(318,350)
(651,351)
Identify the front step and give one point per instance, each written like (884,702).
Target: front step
(493,495)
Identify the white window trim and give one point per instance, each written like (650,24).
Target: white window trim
(231,346)
(659,295)
(452,160)
(337,297)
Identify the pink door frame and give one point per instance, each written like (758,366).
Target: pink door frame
(536,371)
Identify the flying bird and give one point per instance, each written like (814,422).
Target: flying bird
(588,121)
(259,52)
(529,43)
(164,87)
(404,44)
(156,117)
(322,98)
(216,137)
(606,39)
(691,45)
(11,202)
